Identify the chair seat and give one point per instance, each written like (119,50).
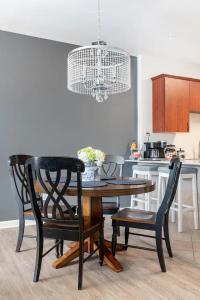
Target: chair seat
(145,168)
(135,215)
(184,170)
(110,208)
(88,224)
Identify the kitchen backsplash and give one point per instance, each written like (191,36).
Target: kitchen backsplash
(189,141)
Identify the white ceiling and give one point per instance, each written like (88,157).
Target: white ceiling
(158,27)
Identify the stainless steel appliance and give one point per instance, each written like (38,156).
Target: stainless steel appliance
(154,150)
(181,153)
(170,151)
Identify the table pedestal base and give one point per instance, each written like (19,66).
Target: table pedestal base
(73,252)
(92,208)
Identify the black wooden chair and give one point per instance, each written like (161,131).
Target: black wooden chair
(112,167)
(58,220)
(19,185)
(147,220)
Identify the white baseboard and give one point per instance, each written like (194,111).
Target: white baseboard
(14,223)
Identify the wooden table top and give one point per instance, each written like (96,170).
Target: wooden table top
(109,190)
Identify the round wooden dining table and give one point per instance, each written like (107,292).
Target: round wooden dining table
(92,208)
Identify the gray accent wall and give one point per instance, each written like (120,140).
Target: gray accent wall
(39,116)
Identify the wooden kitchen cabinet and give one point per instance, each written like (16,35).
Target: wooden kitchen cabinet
(194,100)
(170,103)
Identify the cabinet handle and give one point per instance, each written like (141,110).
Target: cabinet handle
(187,126)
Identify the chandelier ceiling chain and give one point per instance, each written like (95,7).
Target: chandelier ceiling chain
(98,70)
(99,21)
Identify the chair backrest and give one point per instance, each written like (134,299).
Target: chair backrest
(16,164)
(175,168)
(54,176)
(113,166)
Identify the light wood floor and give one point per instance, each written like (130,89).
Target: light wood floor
(141,278)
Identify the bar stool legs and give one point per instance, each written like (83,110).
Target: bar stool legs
(178,205)
(159,191)
(173,213)
(195,202)
(147,202)
(146,199)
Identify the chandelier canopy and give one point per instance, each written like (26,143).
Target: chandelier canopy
(98,70)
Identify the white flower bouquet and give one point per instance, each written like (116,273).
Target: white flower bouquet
(91,156)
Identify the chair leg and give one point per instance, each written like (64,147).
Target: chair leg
(114,238)
(166,234)
(126,237)
(57,249)
(21,229)
(61,247)
(101,244)
(81,257)
(38,261)
(118,230)
(160,249)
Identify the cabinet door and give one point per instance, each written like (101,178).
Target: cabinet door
(158,108)
(194,96)
(176,105)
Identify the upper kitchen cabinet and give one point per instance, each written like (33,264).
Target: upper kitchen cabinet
(170,103)
(194,104)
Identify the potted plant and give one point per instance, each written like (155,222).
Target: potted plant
(93,159)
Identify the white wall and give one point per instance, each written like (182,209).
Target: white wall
(150,66)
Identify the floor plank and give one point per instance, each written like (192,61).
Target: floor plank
(141,278)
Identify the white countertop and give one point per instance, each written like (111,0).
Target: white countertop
(191,162)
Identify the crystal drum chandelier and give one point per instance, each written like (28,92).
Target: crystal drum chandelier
(99,70)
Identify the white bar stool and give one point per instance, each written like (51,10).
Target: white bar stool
(178,205)
(146,172)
